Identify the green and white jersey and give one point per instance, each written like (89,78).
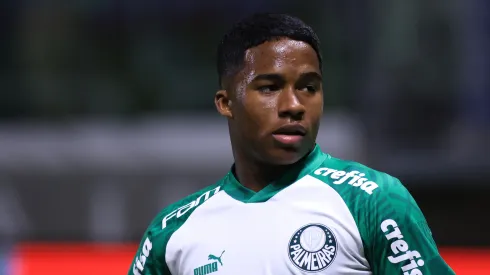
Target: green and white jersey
(326,216)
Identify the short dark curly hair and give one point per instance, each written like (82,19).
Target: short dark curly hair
(255,30)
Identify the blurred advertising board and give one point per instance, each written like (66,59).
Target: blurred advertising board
(115,259)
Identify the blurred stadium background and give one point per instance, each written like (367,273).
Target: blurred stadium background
(107,116)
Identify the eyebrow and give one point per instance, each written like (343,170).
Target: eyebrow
(270,77)
(311,75)
(278,77)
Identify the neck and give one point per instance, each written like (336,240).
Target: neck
(255,175)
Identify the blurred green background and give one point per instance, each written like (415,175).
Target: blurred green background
(107,113)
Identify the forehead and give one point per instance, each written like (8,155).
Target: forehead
(281,56)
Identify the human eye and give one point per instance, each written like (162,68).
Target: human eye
(268,88)
(310,88)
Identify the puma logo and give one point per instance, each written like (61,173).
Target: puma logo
(212,257)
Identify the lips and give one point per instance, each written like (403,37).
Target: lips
(290,134)
(291,129)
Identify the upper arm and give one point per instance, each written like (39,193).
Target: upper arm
(150,256)
(144,263)
(398,238)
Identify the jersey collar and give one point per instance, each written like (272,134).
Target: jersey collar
(241,193)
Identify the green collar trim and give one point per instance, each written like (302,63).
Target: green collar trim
(241,193)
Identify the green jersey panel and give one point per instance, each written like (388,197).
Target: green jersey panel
(150,258)
(394,232)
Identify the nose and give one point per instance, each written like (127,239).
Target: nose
(290,106)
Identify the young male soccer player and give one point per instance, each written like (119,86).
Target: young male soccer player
(285,207)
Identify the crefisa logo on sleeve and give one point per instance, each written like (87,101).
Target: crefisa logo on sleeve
(312,248)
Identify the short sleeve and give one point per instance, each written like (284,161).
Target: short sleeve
(397,237)
(149,260)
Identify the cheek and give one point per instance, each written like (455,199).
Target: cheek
(320,106)
(314,112)
(256,114)
(259,106)
(269,104)
(317,103)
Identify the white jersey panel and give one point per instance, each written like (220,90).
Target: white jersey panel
(304,229)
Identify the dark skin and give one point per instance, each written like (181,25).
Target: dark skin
(279,84)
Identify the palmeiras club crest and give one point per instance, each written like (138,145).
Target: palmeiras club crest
(312,248)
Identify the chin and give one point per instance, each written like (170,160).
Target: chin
(286,156)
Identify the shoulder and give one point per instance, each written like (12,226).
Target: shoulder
(173,216)
(355,178)
(367,191)
(152,250)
